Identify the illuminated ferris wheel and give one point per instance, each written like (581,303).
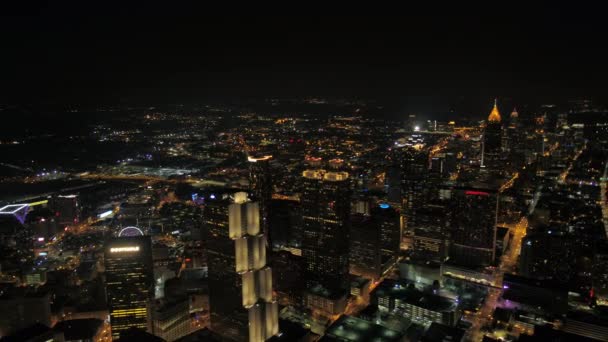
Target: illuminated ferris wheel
(130,231)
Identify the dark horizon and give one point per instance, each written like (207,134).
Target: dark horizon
(59,56)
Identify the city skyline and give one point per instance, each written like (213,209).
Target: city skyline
(172,175)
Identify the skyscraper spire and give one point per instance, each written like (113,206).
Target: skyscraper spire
(494,114)
(514,113)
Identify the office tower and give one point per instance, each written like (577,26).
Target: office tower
(129,282)
(66,209)
(240,283)
(284,224)
(325,233)
(473,226)
(393,183)
(260,185)
(386,217)
(287,277)
(364,249)
(374,241)
(430,234)
(415,165)
(492,139)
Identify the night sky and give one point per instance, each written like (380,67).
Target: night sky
(103,55)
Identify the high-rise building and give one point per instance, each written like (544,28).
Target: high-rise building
(287,277)
(240,283)
(415,165)
(129,282)
(394,176)
(326,209)
(260,186)
(386,217)
(473,226)
(364,250)
(492,139)
(374,241)
(284,224)
(430,234)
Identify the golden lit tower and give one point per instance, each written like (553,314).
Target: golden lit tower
(492,139)
(240,283)
(494,114)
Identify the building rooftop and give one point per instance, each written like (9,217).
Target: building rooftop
(409,294)
(348,328)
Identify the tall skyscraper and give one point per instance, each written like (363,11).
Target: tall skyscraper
(260,186)
(240,283)
(129,282)
(387,219)
(415,166)
(430,234)
(364,249)
(374,241)
(492,139)
(325,234)
(473,226)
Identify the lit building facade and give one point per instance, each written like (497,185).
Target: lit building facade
(129,282)
(240,283)
(326,209)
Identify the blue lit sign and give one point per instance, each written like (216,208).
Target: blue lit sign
(384,206)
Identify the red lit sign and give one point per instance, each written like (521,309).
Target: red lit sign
(476,193)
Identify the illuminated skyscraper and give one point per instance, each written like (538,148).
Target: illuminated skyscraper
(473,226)
(129,282)
(325,234)
(492,139)
(260,184)
(240,282)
